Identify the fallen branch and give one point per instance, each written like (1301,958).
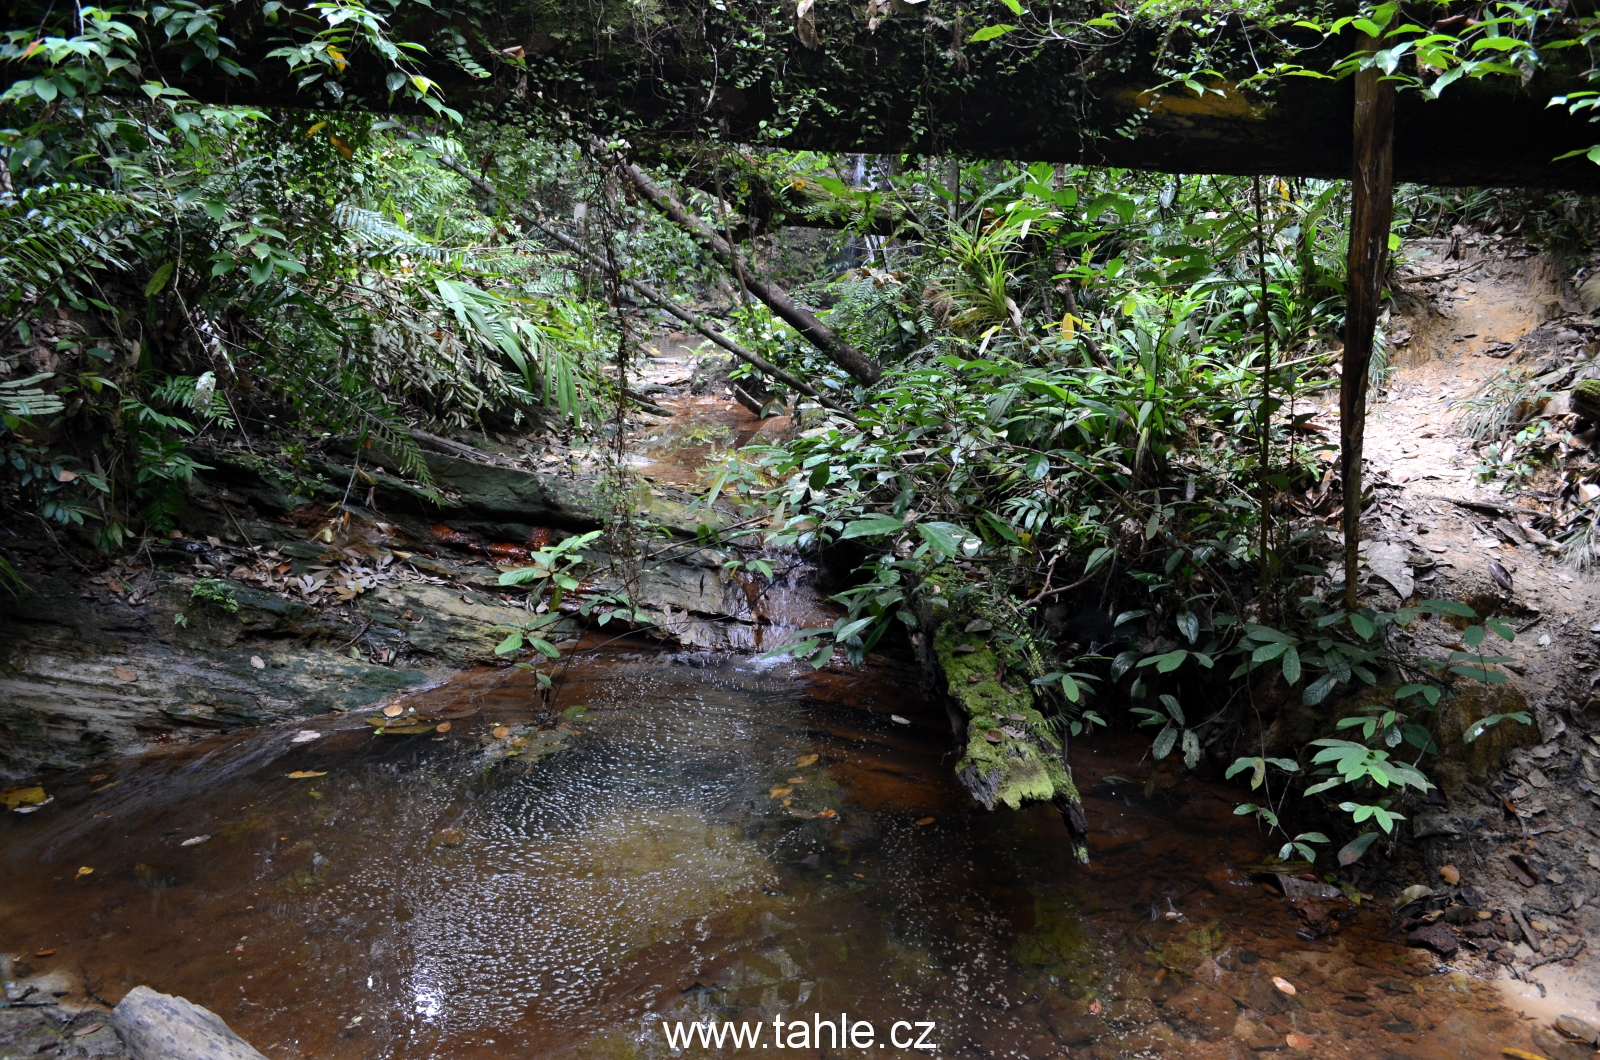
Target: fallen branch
(776,298)
(649,293)
(1560,957)
(1048,592)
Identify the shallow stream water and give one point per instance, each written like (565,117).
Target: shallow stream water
(705,839)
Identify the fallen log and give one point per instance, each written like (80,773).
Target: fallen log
(911,81)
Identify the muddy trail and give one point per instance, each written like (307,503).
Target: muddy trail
(1478,321)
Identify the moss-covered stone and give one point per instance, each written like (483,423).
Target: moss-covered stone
(1586,398)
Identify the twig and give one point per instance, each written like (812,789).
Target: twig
(1043,593)
(1561,957)
(88,988)
(1527,932)
(236,525)
(59,547)
(359,634)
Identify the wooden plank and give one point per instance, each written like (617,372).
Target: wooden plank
(1372,210)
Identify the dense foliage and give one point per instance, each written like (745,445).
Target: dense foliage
(1091,437)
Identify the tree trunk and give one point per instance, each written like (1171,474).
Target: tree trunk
(1371,211)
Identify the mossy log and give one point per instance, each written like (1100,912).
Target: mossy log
(1009,755)
(909,80)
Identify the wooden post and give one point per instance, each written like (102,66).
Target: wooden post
(1372,209)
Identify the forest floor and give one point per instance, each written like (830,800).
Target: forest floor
(1525,838)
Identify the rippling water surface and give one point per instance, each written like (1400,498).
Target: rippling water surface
(731,841)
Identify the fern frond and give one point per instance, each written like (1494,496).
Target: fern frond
(52,231)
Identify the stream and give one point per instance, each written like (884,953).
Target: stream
(693,838)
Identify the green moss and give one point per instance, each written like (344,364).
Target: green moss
(1025,764)
(1586,398)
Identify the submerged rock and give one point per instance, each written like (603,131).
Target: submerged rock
(157,1026)
(1436,937)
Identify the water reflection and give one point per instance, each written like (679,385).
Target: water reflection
(727,842)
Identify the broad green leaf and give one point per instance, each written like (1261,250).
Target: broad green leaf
(872,526)
(1351,852)
(1164,742)
(944,538)
(1240,765)
(1097,557)
(159,280)
(1291,666)
(1171,661)
(1268,652)
(990,33)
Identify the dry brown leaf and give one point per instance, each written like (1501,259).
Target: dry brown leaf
(83,871)
(926,821)
(393,710)
(806,760)
(98,777)
(125,674)
(827,813)
(781,790)
(43,953)
(104,787)
(1095,1007)
(443,726)
(500,732)
(1450,874)
(797,780)
(301,774)
(85,1031)
(1283,984)
(1298,1041)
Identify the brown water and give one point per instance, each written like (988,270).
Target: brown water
(431,897)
